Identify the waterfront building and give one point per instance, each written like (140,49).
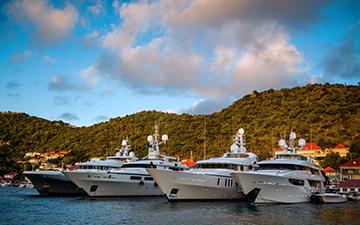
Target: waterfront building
(350,170)
(314,150)
(332,175)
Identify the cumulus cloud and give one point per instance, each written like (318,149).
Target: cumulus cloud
(343,61)
(69,116)
(51,24)
(61,83)
(19,57)
(90,76)
(91,39)
(86,80)
(236,47)
(96,9)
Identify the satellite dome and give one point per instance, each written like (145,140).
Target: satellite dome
(124,143)
(234,148)
(282,143)
(241,131)
(132,154)
(165,137)
(150,139)
(302,142)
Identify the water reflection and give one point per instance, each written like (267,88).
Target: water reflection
(23,206)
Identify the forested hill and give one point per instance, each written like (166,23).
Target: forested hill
(326,114)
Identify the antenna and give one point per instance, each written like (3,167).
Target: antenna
(239,142)
(154,152)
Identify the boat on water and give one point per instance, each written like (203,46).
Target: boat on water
(210,179)
(330,195)
(131,179)
(49,182)
(287,178)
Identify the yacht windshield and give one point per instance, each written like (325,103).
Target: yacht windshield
(273,166)
(291,157)
(217,166)
(136,165)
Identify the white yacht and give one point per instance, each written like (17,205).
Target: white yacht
(48,182)
(288,178)
(211,178)
(132,179)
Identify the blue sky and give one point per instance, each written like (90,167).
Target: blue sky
(87,61)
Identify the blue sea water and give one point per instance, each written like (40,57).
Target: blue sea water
(24,206)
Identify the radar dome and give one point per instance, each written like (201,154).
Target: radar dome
(132,154)
(150,139)
(165,137)
(124,143)
(241,131)
(282,143)
(234,148)
(302,142)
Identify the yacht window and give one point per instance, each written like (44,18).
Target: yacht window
(273,166)
(137,165)
(216,166)
(135,178)
(148,178)
(315,183)
(296,182)
(218,181)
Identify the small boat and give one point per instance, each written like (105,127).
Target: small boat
(329,196)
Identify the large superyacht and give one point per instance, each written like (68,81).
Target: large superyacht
(132,179)
(211,178)
(50,182)
(288,178)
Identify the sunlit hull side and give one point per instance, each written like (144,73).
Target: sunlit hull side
(274,187)
(103,184)
(185,185)
(52,183)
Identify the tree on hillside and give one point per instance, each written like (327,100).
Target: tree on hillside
(354,151)
(333,160)
(7,162)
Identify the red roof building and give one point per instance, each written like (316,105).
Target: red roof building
(312,146)
(340,146)
(329,170)
(351,170)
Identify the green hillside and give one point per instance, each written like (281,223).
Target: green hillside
(326,114)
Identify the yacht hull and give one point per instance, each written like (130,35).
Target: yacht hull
(53,183)
(328,198)
(273,188)
(184,185)
(114,185)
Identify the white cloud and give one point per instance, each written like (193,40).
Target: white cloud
(51,24)
(91,39)
(90,76)
(96,9)
(215,49)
